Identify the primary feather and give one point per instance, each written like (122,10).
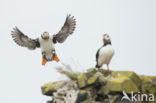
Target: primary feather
(67,29)
(22,40)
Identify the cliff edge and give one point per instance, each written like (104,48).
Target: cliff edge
(100,86)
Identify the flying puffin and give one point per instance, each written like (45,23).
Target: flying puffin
(105,53)
(45,42)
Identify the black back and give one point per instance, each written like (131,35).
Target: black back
(97,54)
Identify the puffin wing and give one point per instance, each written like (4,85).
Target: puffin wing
(67,29)
(97,55)
(22,40)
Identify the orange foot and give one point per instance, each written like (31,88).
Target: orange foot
(56,58)
(44,61)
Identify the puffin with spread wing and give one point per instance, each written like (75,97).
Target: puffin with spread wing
(46,42)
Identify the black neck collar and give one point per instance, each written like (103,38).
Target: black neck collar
(107,43)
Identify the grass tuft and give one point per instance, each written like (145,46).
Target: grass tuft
(68,72)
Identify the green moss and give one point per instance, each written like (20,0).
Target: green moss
(131,75)
(119,84)
(91,70)
(49,88)
(82,80)
(148,88)
(93,79)
(119,73)
(148,84)
(153,80)
(145,78)
(82,91)
(114,98)
(104,86)
(105,72)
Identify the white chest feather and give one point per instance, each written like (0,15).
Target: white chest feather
(47,46)
(105,54)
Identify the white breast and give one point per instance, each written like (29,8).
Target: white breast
(105,54)
(47,46)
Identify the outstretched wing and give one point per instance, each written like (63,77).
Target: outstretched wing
(67,29)
(23,40)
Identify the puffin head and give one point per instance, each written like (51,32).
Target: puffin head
(45,35)
(106,38)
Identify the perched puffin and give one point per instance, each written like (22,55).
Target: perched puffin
(45,42)
(105,53)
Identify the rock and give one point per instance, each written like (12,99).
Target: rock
(148,84)
(82,80)
(66,93)
(91,70)
(133,76)
(121,83)
(86,79)
(92,79)
(100,86)
(82,96)
(49,88)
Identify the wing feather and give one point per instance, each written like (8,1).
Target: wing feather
(67,29)
(22,40)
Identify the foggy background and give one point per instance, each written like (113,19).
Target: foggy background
(130,23)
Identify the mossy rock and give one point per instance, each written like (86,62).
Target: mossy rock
(82,78)
(95,70)
(148,79)
(86,79)
(91,70)
(82,96)
(115,97)
(154,80)
(145,78)
(131,75)
(154,100)
(148,84)
(149,88)
(119,84)
(92,79)
(105,72)
(49,88)
(86,101)
(101,86)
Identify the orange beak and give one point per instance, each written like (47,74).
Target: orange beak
(44,61)
(56,58)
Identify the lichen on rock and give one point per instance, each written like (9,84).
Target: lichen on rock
(49,88)
(82,80)
(121,83)
(99,86)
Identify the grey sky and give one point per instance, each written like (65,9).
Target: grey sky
(130,23)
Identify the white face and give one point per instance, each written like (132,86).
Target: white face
(106,38)
(45,35)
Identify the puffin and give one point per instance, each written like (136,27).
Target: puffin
(105,53)
(46,42)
